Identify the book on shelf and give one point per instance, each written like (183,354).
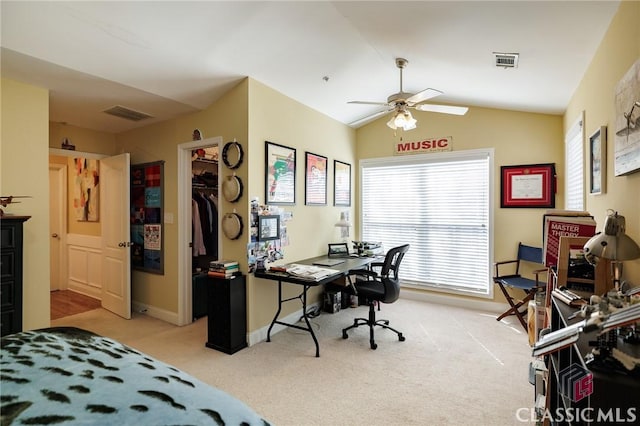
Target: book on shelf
(563,223)
(224,275)
(221,263)
(228,268)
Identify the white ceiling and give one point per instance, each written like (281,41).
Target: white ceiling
(168,58)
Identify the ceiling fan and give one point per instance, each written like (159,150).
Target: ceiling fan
(401,102)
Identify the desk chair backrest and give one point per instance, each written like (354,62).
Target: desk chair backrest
(389,273)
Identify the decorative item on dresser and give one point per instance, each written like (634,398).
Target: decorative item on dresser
(11,280)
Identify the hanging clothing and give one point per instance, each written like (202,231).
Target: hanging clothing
(196,236)
(208,221)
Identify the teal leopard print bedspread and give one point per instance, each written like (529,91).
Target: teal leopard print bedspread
(70,376)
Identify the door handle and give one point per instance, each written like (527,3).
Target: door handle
(54,235)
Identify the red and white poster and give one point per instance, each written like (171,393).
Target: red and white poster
(559,226)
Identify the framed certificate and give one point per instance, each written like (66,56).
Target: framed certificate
(530,185)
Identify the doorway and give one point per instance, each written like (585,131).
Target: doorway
(185,252)
(63,302)
(57,225)
(116,274)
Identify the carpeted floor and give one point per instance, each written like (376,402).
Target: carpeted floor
(456,367)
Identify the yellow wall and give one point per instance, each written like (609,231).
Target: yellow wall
(24,162)
(517,137)
(250,113)
(595,95)
(276,118)
(226,118)
(85,140)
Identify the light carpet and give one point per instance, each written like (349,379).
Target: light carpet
(456,367)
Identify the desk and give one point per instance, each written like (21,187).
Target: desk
(343,270)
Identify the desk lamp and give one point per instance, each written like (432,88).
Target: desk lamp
(612,243)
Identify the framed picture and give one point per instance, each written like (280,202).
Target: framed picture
(530,185)
(341,183)
(147,204)
(598,161)
(268,227)
(86,189)
(280,169)
(315,190)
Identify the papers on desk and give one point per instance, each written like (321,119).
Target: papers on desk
(310,272)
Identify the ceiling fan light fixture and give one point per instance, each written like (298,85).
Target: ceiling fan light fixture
(402,119)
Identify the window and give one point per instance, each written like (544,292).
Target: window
(441,205)
(574,166)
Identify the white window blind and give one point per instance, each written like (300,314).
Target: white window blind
(574,167)
(440,204)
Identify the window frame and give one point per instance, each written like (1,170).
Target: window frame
(441,157)
(575,137)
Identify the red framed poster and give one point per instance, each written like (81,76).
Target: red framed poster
(529,185)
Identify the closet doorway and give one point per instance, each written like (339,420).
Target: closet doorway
(195,166)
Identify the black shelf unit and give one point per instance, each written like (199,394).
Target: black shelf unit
(614,395)
(11,275)
(200,283)
(227,314)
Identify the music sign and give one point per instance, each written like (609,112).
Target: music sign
(440,144)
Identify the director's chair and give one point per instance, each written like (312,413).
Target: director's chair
(516,281)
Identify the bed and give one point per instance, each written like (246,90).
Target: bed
(67,375)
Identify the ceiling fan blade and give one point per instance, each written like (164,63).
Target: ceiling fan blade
(446,109)
(370,117)
(368,103)
(423,96)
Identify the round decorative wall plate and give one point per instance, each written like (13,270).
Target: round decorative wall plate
(232,155)
(232,188)
(232,226)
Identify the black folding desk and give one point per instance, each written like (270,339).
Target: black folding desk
(342,268)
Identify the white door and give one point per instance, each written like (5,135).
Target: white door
(116,251)
(57,180)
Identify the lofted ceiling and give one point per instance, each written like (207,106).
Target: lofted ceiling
(169,58)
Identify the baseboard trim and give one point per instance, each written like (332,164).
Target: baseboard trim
(260,334)
(161,314)
(479,305)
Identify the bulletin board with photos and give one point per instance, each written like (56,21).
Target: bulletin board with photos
(147,249)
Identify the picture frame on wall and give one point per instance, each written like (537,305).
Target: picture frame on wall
(268,227)
(315,190)
(341,183)
(598,161)
(528,185)
(147,204)
(280,174)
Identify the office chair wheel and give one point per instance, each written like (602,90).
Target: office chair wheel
(344,335)
(401,337)
(374,346)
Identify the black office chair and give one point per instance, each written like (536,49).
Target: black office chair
(514,279)
(375,288)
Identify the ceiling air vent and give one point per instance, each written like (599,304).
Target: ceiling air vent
(126,113)
(506,60)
